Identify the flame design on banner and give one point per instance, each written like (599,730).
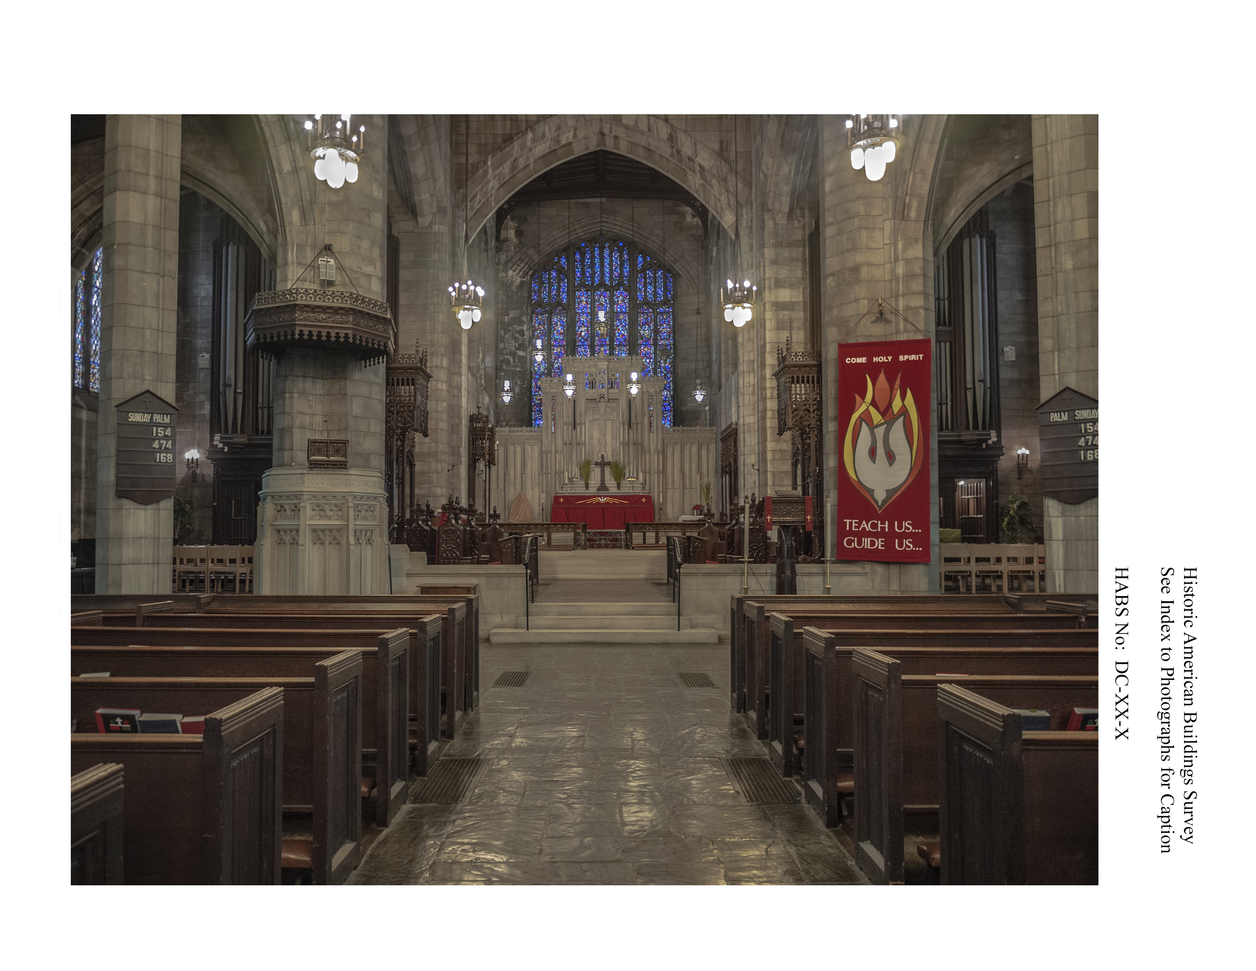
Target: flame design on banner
(883,450)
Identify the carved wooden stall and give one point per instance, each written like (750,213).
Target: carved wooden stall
(483,452)
(799,411)
(728,471)
(405,415)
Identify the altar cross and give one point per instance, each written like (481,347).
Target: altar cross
(602,467)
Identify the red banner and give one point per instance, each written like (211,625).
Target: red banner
(883,401)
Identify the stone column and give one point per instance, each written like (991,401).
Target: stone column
(1066,223)
(323,530)
(134,542)
(873,245)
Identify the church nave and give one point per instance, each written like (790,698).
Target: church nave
(604,769)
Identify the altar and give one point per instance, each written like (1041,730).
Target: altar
(601,510)
(598,418)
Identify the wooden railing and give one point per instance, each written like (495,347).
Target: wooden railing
(993,567)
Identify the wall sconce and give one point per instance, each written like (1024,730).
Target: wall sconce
(194,461)
(1022,460)
(507,394)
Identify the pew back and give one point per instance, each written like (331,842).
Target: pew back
(96,834)
(896,744)
(1016,806)
(201,809)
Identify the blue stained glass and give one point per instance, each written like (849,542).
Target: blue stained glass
(667,405)
(79,324)
(98,279)
(640,283)
(621,322)
(538,415)
(579,264)
(582,323)
(562,279)
(558,340)
(536,287)
(606,264)
(645,332)
(669,287)
(603,305)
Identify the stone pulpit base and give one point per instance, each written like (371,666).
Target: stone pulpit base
(322,532)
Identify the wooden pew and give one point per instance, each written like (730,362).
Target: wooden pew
(748,625)
(425,693)
(762,670)
(828,685)
(96,806)
(468,632)
(321,750)
(384,660)
(200,808)
(896,743)
(775,702)
(1016,806)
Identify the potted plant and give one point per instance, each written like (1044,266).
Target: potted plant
(706,497)
(618,472)
(586,469)
(1014,517)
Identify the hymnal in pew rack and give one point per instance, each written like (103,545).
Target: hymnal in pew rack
(118,721)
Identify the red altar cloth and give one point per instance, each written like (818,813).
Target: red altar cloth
(602,510)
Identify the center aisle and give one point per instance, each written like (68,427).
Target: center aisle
(603,768)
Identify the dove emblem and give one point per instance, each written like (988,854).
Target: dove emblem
(883,459)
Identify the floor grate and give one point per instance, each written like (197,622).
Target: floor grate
(760,782)
(511,679)
(448,781)
(691,679)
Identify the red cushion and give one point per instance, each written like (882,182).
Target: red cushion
(931,853)
(297,854)
(845,782)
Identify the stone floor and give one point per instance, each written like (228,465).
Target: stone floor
(604,769)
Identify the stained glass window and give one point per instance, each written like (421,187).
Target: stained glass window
(85,328)
(611,287)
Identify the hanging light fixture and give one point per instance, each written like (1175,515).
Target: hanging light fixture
(737,298)
(634,384)
(569,386)
(466,298)
(507,394)
(336,152)
(539,354)
(873,142)
(699,393)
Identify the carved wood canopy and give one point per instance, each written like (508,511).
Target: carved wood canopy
(407,385)
(728,448)
(797,387)
(336,320)
(483,439)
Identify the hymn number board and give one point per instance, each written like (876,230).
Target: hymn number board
(146,461)
(1068,434)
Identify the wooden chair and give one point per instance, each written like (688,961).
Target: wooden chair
(191,569)
(244,570)
(224,562)
(989,568)
(957,567)
(1021,562)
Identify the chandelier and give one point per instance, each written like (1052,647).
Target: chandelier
(466,298)
(634,384)
(569,385)
(737,298)
(539,354)
(699,393)
(873,142)
(507,394)
(335,152)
